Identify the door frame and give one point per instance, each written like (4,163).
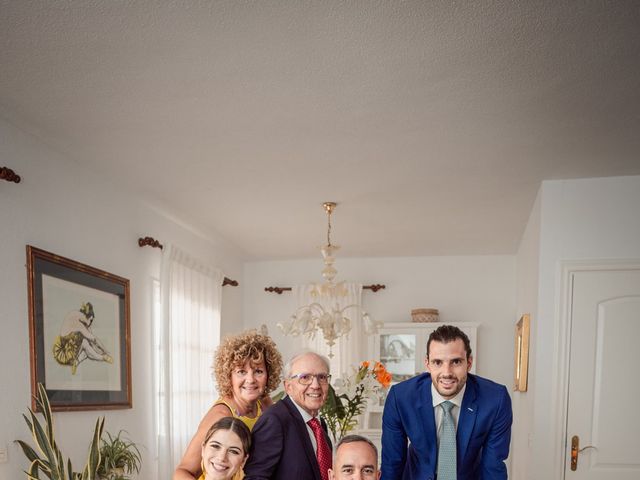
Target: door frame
(562,347)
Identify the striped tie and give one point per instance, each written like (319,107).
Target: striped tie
(447,449)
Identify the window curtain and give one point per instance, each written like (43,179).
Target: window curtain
(190,294)
(348,350)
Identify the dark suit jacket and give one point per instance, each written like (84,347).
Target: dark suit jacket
(483,434)
(281,448)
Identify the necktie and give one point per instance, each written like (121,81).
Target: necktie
(447,449)
(323,454)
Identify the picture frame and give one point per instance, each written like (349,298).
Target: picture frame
(79,333)
(522,353)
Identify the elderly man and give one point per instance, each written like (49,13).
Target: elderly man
(289,439)
(356,459)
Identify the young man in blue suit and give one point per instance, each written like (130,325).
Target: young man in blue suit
(458,424)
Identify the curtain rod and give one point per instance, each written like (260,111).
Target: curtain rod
(374,288)
(9,175)
(152,242)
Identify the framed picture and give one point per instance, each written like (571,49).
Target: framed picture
(79,333)
(522,353)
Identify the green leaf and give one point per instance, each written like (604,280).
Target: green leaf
(93,461)
(27,450)
(46,412)
(279,395)
(362,372)
(40,437)
(333,412)
(59,463)
(26,419)
(32,473)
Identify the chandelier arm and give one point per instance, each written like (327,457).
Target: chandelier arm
(341,311)
(312,306)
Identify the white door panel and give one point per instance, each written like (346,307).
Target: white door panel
(604,393)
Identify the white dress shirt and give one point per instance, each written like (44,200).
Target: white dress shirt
(455,411)
(306,416)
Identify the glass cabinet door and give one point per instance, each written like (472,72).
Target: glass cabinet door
(398,354)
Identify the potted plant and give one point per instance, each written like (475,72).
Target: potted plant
(119,457)
(46,458)
(349,399)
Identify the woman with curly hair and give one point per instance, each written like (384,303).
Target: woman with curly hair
(247,368)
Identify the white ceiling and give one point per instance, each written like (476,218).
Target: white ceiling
(431,123)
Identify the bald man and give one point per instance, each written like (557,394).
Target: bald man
(356,459)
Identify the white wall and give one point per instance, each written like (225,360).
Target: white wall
(464,289)
(527,262)
(580,219)
(61,208)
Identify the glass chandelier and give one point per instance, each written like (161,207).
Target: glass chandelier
(325,313)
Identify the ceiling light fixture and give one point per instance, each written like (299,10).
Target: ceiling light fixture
(325,313)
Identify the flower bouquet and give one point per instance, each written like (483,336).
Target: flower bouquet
(349,397)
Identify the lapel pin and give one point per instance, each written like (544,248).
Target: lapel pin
(470,409)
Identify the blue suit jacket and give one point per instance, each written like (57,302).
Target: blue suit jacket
(483,434)
(281,448)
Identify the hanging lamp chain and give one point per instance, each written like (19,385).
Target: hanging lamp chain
(329,227)
(329,206)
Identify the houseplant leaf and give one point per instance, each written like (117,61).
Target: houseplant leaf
(27,450)
(46,459)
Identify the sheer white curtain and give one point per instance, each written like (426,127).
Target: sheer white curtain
(190,293)
(348,350)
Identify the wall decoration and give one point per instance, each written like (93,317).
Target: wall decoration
(522,353)
(79,333)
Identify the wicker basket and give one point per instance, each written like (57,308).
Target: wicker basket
(421,315)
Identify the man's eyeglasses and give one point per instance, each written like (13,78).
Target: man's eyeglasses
(307,378)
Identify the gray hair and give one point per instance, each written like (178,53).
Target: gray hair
(357,438)
(301,353)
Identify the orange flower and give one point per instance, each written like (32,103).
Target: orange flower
(382,375)
(365,364)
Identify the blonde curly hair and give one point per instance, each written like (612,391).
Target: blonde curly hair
(234,351)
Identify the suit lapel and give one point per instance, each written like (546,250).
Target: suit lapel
(467,419)
(426,417)
(303,433)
